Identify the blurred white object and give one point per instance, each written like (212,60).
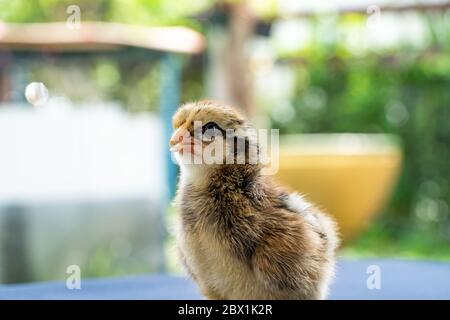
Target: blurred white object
(95,152)
(80,185)
(36,93)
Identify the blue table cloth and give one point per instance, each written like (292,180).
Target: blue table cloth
(399,279)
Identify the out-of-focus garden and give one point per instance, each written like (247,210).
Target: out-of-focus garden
(302,67)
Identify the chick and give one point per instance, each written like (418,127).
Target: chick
(241,235)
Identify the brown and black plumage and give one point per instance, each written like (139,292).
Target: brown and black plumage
(240,235)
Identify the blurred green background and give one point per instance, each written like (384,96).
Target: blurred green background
(337,76)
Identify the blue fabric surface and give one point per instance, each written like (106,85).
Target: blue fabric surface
(400,279)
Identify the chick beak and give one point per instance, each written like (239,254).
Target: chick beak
(180,141)
(176,138)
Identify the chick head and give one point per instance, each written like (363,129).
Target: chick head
(211,133)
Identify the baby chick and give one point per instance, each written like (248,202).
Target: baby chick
(241,236)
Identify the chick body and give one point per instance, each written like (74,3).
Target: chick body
(241,236)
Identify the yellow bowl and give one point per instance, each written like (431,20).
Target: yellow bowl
(348,175)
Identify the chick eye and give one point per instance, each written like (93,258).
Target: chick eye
(209,126)
(211,130)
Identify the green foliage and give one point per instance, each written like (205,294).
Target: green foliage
(402,92)
(151,12)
